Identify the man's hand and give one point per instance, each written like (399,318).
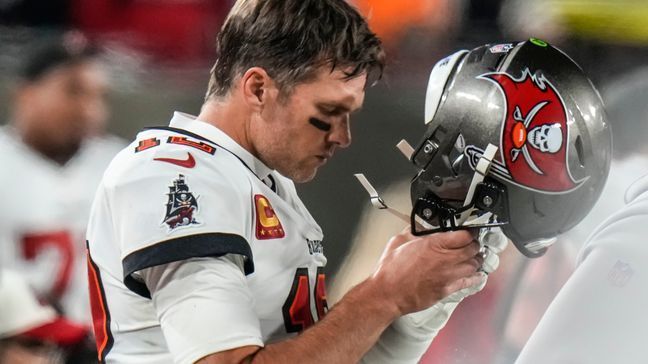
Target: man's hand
(414,273)
(407,338)
(434,318)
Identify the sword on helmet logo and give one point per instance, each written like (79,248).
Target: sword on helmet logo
(535,128)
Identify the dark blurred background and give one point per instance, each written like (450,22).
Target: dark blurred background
(159,52)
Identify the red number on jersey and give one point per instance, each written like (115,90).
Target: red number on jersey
(190,143)
(297,308)
(147,144)
(34,244)
(320,294)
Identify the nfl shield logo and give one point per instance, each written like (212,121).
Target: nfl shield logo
(501,48)
(620,274)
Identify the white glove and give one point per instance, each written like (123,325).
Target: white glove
(409,336)
(433,319)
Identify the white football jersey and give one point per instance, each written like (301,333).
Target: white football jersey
(188,191)
(45,214)
(599,316)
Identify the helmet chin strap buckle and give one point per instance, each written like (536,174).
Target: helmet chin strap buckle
(485,203)
(406,149)
(481,170)
(380,204)
(449,220)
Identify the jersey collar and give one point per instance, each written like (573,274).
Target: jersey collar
(191,123)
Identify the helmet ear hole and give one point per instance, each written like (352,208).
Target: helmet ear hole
(579,151)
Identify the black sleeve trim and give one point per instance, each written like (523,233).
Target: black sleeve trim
(192,246)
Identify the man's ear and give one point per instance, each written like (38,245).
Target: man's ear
(257,87)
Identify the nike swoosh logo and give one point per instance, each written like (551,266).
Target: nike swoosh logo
(190,162)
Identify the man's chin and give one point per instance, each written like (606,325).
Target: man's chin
(302,176)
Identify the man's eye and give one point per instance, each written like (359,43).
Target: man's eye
(330,112)
(319,124)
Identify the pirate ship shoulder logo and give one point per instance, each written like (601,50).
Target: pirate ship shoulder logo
(534,136)
(181,206)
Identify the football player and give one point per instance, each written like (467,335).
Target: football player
(53,155)
(31,332)
(200,249)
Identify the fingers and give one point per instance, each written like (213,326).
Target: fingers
(494,239)
(448,240)
(474,280)
(466,267)
(458,249)
(491,261)
(455,239)
(494,242)
(462,293)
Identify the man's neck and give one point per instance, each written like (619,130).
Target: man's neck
(230,119)
(58,154)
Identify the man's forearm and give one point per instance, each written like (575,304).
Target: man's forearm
(413,274)
(347,332)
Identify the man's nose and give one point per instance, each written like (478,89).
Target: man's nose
(340,134)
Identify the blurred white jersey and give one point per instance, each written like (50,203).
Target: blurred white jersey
(189,191)
(622,174)
(599,316)
(44,217)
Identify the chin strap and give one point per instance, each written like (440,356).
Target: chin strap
(405,148)
(376,200)
(481,170)
(380,204)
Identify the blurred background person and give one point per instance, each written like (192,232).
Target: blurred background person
(31,333)
(610,38)
(540,281)
(599,314)
(53,152)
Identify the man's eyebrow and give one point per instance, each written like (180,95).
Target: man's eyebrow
(337,107)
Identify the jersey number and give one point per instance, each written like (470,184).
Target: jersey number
(61,241)
(297,309)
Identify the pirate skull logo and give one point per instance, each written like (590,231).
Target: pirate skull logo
(535,133)
(546,138)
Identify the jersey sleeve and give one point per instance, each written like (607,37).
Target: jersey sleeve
(599,315)
(204,306)
(163,213)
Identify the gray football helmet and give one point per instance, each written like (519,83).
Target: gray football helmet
(516,137)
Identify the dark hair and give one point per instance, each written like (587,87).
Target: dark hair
(291,39)
(68,48)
